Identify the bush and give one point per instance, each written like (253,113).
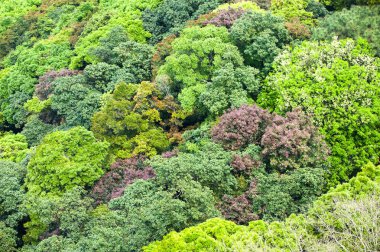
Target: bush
(13,147)
(75,158)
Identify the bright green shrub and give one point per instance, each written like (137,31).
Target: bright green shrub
(291,9)
(13,147)
(66,159)
(208,236)
(338,83)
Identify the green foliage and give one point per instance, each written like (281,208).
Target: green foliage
(74,100)
(340,4)
(131,61)
(196,55)
(280,195)
(10,11)
(110,15)
(130,120)
(338,83)
(13,147)
(22,66)
(66,159)
(208,166)
(12,194)
(344,222)
(171,15)
(35,129)
(260,37)
(151,213)
(7,238)
(230,88)
(358,21)
(291,9)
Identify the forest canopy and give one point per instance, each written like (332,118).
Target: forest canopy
(189,125)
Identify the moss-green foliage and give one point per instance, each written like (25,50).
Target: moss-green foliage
(340,4)
(171,15)
(110,15)
(35,129)
(75,100)
(297,232)
(10,11)
(120,60)
(65,159)
(283,194)
(260,38)
(155,212)
(22,67)
(7,238)
(192,71)
(12,196)
(13,147)
(338,83)
(358,21)
(291,9)
(130,120)
(208,165)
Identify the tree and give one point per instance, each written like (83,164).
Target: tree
(35,129)
(74,100)
(75,158)
(292,9)
(7,238)
(230,88)
(240,127)
(132,120)
(44,88)
(208,166)
(151,212)
(122,173)
(356,22)
(13,147)
(196,54)
(260,37)
(292,142)
(280,195)
(337,82)
(127,60)
(340,4)
(170,16)
(12,196)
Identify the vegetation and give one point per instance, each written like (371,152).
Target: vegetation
(189,125)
